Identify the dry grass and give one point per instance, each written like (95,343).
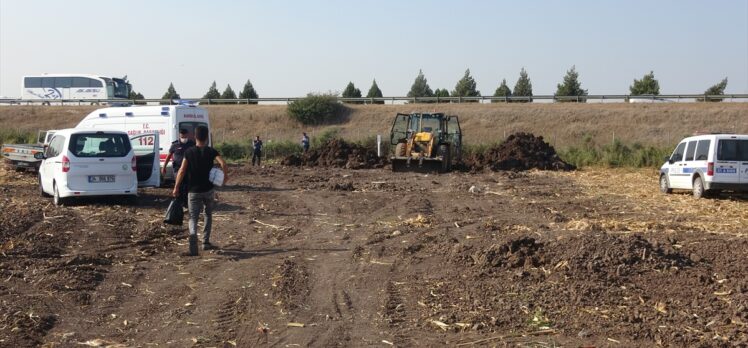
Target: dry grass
(634,204)
(562,125)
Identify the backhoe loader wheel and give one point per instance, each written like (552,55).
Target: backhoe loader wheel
(443,152)
(400,150)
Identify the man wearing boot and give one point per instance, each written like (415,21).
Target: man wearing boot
(197,163)
(176,151)
(257,150)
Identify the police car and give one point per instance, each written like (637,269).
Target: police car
(707,164)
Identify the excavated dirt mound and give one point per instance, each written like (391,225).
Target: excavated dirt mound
(337,153)
(520,151)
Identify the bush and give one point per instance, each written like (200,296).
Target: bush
(370,143)
(315,109)
(324,137)
(17,136)
(234,151)
(280,149)
(616,154)
(472,150)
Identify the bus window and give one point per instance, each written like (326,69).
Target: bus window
(109,87)
(32,82)
(94,83)
(121,88)
(80,82)
(63,82)
(48,82)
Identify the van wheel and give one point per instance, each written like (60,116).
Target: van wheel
(56,198)
(698,188)
(664,185)
(41,188)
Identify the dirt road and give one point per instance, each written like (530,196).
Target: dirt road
(332,257)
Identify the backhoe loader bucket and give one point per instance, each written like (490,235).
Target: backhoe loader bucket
(422,165)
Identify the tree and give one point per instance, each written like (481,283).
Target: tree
(502,91)
(212,92)
(135,97)
(466,87)
(248,92)
(718,89)
(228,93)
(375,92)
(351,92)
(441,93)
(648,85)
(420,87)
(571,86)
(315,109)
(523,87)
(171,93)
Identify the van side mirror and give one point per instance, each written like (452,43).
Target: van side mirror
(39,155)
(669,160)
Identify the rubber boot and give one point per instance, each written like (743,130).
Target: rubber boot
(193,245)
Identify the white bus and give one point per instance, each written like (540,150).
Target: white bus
(74,87)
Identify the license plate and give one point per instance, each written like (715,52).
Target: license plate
(23,164)
(100,178)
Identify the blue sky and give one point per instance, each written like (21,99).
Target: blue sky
(289,48)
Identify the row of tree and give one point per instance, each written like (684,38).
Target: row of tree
(248,92)
(465,87)
(569,87)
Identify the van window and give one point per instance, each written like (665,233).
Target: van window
(702,150)
(691,150)
(732,150)
(55,146)
(190,127)
(99,145)
(678,153)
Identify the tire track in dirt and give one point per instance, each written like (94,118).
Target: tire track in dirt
(395,315)
(38,275)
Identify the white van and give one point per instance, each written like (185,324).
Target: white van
(87,162)
(707,164)
(166,121)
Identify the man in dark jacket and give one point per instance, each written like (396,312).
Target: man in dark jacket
(257,150)
(176,152)
(197,163)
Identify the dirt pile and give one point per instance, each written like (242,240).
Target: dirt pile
(337,153)
(520,151)
(614,258)
(516,253)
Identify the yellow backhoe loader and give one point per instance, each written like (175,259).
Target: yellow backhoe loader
(425,142)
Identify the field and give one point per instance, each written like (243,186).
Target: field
(562,125)
(331,257)
(328,257)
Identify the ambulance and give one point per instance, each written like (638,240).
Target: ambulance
(164,120)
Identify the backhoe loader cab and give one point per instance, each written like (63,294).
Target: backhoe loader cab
(425,142)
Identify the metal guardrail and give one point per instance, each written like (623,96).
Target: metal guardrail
(393,100)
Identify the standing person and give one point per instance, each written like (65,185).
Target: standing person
(176,152)
(197,163)
(257,153)
(305,142)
